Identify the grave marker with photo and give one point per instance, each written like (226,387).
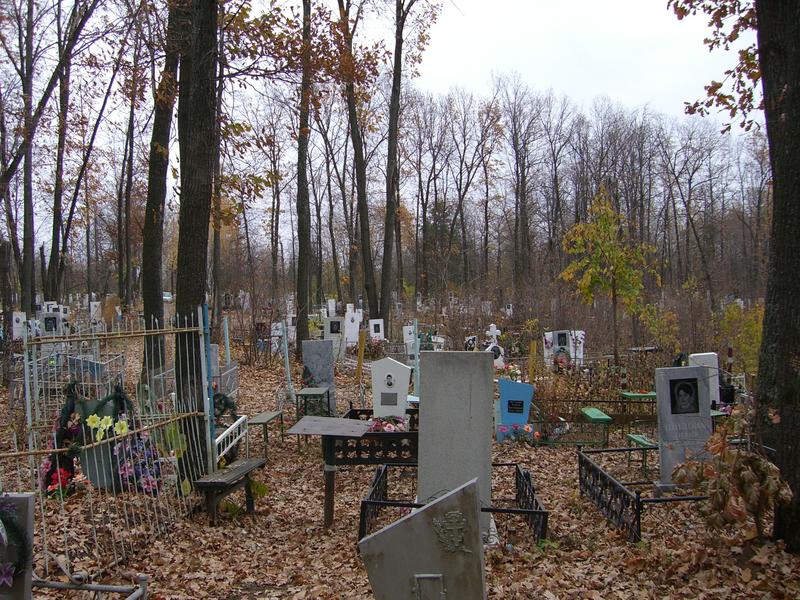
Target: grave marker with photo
(376,329)
(684,417)
(390,380)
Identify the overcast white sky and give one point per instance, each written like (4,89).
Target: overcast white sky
(633,51)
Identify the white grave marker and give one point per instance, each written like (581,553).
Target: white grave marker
(18,325)
(390,380)
(376,329)
(334,331)
(710,360)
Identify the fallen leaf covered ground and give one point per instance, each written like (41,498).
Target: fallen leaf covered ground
(283,551)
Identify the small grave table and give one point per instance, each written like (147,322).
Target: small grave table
(264,419)
(329,428)
(595,415)
(312,393)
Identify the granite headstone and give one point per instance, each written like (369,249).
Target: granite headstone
(684,417)
(318,358)
(455,433)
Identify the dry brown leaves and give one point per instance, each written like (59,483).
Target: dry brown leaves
(282,551)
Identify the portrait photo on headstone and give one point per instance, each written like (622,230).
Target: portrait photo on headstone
(684,399)
(336,327)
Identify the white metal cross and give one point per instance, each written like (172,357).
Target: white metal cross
(493,332)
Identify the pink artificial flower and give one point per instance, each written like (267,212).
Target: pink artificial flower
(389,427)
(503,429)
(515,427)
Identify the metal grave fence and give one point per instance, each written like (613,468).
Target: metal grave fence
(113,432)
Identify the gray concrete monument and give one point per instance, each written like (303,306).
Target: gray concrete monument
(455,432)
(435,552)
(318,357)
(17,512)
(684,417)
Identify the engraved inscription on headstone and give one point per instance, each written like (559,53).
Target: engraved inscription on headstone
(684,417)
(434,552)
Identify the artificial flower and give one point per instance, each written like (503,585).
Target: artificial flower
(7,574)
(502,429)
(93,421)
(515,426)
(528,427)
(389,427)
(121,427)
(106,422)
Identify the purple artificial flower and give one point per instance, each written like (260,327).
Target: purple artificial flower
(7,574)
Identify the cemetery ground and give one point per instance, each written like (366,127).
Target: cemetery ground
(283,551)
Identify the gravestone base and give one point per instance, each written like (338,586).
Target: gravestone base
(659,489)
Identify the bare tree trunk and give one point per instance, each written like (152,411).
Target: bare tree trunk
(360,165)
(153,233)
(303,216)
(53,283)
(28,278)
(401,11)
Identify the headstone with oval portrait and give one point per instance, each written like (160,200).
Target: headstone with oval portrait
(684,417)
(390,379)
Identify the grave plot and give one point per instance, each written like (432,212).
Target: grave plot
(516,506)
(605,479)
(111,467)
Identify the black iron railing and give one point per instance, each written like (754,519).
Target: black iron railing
(621,506)
(378,447)
(529,507)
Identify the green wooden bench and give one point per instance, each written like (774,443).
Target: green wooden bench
(643,442)
(220,483)
(595,415)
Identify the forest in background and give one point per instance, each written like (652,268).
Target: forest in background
(487,187)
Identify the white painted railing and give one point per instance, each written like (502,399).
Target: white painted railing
(228,438)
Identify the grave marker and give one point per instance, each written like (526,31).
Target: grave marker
(515,408)
(352,323)
(432,553)
(684,417)
(331,307)
(390,380)
(376,329)
(455,424)
(17,514)
(318,358)
(710,360)
(334,331)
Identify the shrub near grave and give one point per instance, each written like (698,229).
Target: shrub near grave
(739,481)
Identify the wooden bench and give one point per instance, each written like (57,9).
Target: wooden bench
(220,483)
(264,419)
(645,443)
(595,415)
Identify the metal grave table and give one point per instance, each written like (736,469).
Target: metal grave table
(329,428)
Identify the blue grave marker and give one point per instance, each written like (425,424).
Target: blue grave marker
(515,408)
